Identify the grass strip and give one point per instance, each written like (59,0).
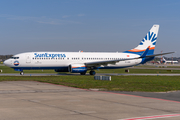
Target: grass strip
(118,83)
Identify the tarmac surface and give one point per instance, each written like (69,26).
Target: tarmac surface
(30,100)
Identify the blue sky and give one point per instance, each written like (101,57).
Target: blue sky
(88,25)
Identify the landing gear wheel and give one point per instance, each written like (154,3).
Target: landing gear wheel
(92,72)
(83,73)
(21,73)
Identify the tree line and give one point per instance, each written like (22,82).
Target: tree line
(5,57)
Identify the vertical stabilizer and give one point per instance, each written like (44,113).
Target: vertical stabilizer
(148,41)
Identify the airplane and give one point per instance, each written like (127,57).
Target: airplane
(163,60)
(81,62)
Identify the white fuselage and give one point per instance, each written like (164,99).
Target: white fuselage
(55,60)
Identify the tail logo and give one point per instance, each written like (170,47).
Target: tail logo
(150,38)
(149,41)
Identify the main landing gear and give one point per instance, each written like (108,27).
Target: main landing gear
(92,72)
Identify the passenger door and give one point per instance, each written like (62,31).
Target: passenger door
(28,58)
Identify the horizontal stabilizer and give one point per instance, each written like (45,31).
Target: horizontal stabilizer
(158,54)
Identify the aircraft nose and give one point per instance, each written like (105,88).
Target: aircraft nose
(6,62)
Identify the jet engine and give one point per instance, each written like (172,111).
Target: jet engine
(77,68)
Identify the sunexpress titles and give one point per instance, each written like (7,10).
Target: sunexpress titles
(47,55)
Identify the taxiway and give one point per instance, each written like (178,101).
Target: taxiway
(27,100)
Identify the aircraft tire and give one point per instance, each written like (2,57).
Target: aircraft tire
(92,72)
(21,73)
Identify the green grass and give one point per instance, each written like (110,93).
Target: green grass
(10,70)
(118,83)
(132,70)
(158,66)
(137,71)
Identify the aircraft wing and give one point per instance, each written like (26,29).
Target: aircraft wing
(105,63)
(99,63)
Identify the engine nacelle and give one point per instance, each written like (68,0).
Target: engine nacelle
(77,68)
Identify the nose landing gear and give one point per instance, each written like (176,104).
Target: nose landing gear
(21,73)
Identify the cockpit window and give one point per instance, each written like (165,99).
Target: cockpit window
(14,57)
